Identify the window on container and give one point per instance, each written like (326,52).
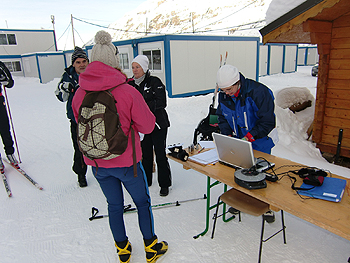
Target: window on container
(13,66)
(154,57)
(3,39)
(11,38)
(8,39)
(8,64)
(16,65)
(124,60)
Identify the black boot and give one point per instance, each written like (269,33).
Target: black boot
(124,251)
(82,180)
(164,191)
(154,250)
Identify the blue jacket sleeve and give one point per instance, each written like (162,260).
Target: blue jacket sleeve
(223,124)
(264,100)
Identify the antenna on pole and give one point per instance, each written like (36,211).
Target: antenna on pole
(71,17)
(53,26)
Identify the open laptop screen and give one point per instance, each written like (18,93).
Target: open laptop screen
(238,153)
(233,151)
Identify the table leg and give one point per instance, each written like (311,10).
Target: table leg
(209,207)
(207,210)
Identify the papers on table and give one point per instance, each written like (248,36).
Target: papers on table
(205,158)
(207,144)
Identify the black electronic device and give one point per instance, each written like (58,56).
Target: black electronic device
(177,152)
(271,177)
(250,179)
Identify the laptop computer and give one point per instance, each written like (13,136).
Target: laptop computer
(238,153)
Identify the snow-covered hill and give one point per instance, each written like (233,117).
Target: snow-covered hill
(224,17)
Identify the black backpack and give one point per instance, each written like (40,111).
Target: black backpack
(100,135)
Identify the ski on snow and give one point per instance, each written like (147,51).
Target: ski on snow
(21,171)
(7,187)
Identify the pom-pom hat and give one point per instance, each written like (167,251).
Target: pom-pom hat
(226,76)
(143,61)
(103,50)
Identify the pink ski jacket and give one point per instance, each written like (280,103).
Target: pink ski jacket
(130,106)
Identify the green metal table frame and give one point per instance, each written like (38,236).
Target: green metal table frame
(210,207)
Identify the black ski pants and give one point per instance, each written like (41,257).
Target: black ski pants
(5,128)
(79,166)
(156,140)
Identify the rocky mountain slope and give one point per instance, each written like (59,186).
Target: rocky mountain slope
(224,17)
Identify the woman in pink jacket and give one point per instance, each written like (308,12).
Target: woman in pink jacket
(102,74)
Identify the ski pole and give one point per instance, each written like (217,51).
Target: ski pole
(225,57)
(177,203)
(13,129)
(129,209)
(217,87)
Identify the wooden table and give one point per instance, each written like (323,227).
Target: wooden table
(334,217)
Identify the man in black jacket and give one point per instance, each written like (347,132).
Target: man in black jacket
(6,81)
(65,91)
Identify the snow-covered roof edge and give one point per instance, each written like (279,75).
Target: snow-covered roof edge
(289,16)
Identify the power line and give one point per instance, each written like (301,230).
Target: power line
(231,27)
(79,36)
(112,28)
(229,14)
(60,36)
(203,31)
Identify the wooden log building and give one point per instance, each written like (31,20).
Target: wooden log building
(327,24)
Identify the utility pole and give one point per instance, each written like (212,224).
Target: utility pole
(146,25)
(192,22)
(54,32)
(71,17)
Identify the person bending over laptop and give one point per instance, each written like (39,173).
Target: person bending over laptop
(246,110)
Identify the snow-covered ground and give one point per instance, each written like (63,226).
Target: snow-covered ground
(53,225)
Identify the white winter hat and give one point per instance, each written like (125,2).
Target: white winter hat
(103,50)
(143,61)
(227,76)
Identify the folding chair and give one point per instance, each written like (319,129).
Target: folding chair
(249,205)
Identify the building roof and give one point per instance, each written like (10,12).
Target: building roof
(290,28)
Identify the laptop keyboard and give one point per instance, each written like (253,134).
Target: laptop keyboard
(230,165)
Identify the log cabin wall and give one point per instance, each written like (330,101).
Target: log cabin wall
(333,87)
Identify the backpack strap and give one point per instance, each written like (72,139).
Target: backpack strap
(132,135)
(133,148)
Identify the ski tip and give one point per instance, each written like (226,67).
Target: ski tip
(39,187)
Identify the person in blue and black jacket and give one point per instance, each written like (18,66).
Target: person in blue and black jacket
(246,109)
(65,91)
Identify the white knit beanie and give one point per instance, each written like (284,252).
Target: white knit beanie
(103,50)
(227,75)
(143,61)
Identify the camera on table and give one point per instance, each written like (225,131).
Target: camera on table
(177,152)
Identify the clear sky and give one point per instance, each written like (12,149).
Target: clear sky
(36,14)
